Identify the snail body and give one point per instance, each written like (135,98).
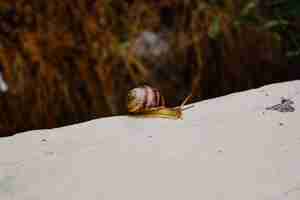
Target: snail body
(147,101)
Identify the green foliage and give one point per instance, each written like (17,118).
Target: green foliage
(283,20)
(214,30)
(286,8)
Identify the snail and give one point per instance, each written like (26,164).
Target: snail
(147,101)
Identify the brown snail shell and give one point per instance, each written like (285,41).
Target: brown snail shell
(144,98)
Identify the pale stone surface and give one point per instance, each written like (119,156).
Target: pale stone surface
(228,148)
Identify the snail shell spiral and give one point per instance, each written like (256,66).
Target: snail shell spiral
(142,98)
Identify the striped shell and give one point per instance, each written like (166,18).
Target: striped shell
(143,98)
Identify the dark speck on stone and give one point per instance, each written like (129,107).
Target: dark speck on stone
(44,140)
(284,106)
(280,124)
(220,151)
(149,136)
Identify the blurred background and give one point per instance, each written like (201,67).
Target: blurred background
(69,61)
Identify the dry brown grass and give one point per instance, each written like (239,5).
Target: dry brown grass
(68,61)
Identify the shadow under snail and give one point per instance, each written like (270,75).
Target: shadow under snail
(146,101)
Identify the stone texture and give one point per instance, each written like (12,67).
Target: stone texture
(228,148)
